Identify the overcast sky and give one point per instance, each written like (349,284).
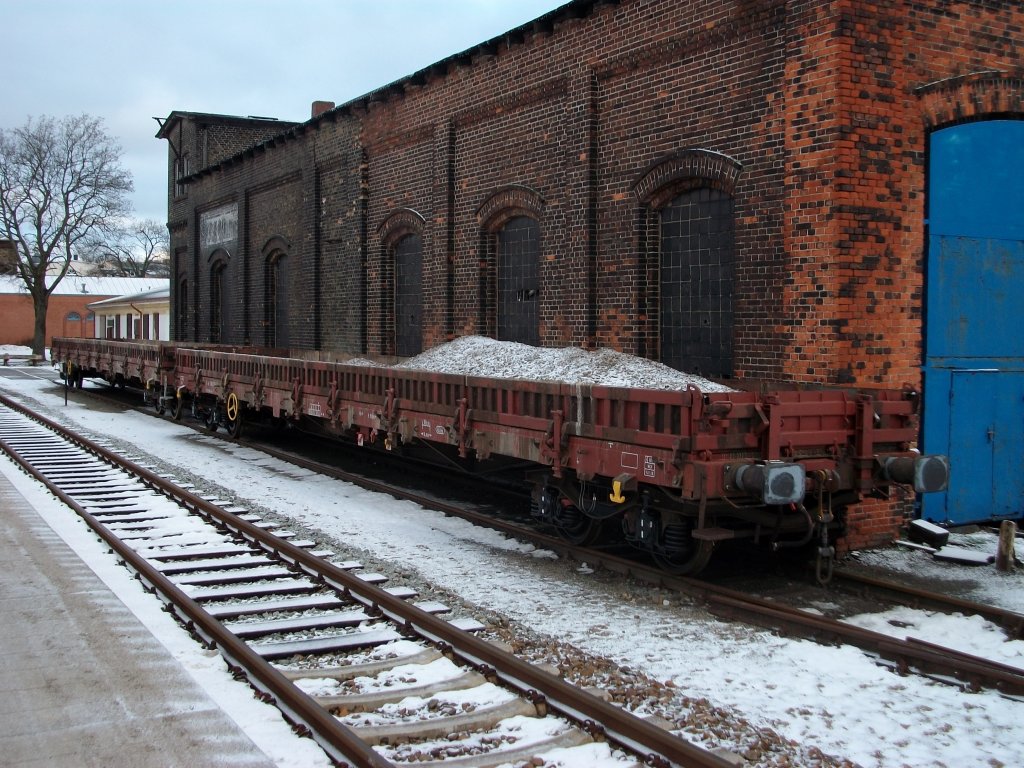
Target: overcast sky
(128,61)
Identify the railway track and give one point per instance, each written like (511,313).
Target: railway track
(905,655)
(375,678)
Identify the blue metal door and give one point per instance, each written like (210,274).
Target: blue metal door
(986,413)
(974,332)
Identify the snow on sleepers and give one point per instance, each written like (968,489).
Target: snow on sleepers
(329,644)
(212,564)
(235,609)
(297,624)
(234,577)
(280,587)
(375,699)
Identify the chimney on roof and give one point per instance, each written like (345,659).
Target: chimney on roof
(319,107)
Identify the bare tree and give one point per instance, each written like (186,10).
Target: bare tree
(138,248)
(60,182)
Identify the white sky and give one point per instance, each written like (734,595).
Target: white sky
(128,61)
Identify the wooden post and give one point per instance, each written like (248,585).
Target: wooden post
(1006,556)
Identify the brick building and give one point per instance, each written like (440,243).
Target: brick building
(69,312)
(740,189)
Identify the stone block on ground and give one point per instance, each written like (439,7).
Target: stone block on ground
(923,532)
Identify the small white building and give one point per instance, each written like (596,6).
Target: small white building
(145,315)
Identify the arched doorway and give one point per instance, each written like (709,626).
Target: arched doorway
(974,347)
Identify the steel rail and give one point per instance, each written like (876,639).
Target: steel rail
(660,747)
(907,653)
(340,742)
(863,584)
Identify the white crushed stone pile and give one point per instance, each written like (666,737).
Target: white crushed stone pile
(481,356)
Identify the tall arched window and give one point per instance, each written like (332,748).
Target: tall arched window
(688,254)
(219,302)
(697,275)
(181,310)
(408,301)
(510,273)
(277,301)
(518,281)
(400,321)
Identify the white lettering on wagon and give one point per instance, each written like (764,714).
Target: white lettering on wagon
(650,467)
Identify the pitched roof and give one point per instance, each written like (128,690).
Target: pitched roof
(143,297)
(100,287)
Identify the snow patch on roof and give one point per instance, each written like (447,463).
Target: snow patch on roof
(74,285)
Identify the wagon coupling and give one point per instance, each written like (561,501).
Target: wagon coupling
(774,482)
(927,474)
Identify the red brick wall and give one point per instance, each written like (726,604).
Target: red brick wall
(821,104)
(818,115)
(17,318)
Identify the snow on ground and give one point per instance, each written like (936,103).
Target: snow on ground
(837,699)
(261,722)
(481,356)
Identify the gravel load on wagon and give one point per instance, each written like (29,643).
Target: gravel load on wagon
(481,356)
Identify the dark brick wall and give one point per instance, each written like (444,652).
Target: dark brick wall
(813,116)
(274,188)
(821,108)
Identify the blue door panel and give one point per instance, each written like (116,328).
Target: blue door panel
(975,298)
(974,334)
(976,188)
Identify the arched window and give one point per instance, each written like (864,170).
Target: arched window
(697,276)
(401,319)
(73,317)
(219,302)
(277,301)
(510,276)
(518,280)
(687,243)
(408,301)
(181,310)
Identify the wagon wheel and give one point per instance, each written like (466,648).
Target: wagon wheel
(178,407)
(233,411)
(210,419)
(576,528)
(688,562)
(159,404)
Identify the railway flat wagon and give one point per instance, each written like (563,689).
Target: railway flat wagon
(120,363)
(671,472)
